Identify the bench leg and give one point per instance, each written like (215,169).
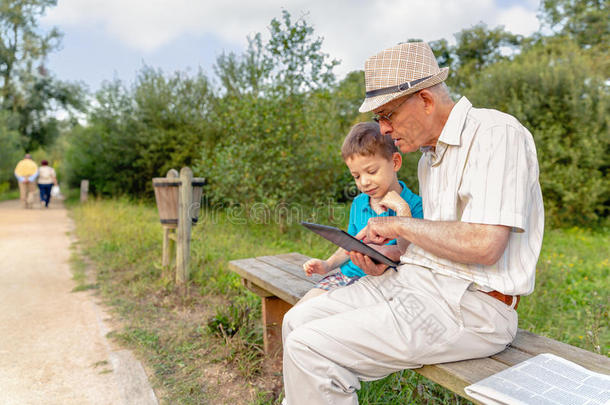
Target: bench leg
(273,314)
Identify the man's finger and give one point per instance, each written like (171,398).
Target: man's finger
(377,239)
(362,234)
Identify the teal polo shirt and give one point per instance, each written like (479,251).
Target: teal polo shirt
(359,216)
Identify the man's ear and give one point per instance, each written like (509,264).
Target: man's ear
(428,99)
(397,161)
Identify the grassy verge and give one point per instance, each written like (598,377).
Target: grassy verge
(206,348)
(9,195)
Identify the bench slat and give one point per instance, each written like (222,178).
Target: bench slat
(457,375)
(533,344)
(289,267)
(511,356)
(294,258)
(283,285)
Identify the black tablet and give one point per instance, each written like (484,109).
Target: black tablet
(348,242)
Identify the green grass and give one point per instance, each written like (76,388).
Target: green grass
(570,302)
(180,337)
(9,195)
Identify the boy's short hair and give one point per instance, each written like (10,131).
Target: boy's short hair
(366,139)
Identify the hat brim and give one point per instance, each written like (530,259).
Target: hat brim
(372,103)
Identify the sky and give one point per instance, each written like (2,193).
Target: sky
(108,39)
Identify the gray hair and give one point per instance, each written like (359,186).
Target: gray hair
(442,92)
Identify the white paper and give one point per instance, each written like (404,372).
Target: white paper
(541,380)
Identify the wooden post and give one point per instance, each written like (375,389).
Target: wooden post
(169,249)
(274,310)
(169,240)
(84,190)
(185,199)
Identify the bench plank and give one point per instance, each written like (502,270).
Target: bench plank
(511,356)
(294,258)
(290,267)
(455,376)
(533,344)
(256,289)
(275,280)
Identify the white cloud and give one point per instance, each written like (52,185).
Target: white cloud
(352,29)
(518,20)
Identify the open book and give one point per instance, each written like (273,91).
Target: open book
(541,380)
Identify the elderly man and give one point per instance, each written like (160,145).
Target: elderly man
(455,293)
(26,173)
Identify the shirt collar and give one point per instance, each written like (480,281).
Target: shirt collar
(452,131)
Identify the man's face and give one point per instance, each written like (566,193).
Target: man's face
(409,123)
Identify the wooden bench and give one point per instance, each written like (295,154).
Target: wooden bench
(281,282)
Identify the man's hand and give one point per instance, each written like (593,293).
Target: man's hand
(378,231)
(315,266)
(394,201)
(367,265)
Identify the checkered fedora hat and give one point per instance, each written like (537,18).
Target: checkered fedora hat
(398,71)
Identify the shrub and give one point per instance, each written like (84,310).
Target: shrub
(555,90)
(10,149)
(280,144)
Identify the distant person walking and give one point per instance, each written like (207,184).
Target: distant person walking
(46,179)
(26,173)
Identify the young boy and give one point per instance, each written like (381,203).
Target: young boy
(373,160)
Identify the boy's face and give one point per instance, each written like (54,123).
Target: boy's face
(374,175)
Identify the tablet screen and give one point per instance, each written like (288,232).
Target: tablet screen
(348,242)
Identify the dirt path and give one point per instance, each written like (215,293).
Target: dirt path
(53,348)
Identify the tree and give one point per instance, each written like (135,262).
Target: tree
(586,22)
(21,46)
(27,89)
(555,91)
(280,142)
(137,133)
(475,49)
(10,148)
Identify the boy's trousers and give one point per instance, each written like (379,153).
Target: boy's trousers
(383,324)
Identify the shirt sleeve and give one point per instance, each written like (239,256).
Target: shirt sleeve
(415,205)
(33,177)
(496,177)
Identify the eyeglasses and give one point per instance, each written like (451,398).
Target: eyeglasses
(387,117)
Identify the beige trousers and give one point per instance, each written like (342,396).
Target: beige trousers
(26,193)
(380,325)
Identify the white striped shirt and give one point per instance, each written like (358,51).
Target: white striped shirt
(484,170)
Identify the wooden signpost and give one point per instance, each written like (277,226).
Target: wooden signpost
(178,199)
(84,190)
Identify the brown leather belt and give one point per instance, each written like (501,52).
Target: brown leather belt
(507,299)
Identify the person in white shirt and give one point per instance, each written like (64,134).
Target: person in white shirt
(471,257)
(46,179)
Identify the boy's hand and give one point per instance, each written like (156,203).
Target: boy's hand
(392,200)
(315,266)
